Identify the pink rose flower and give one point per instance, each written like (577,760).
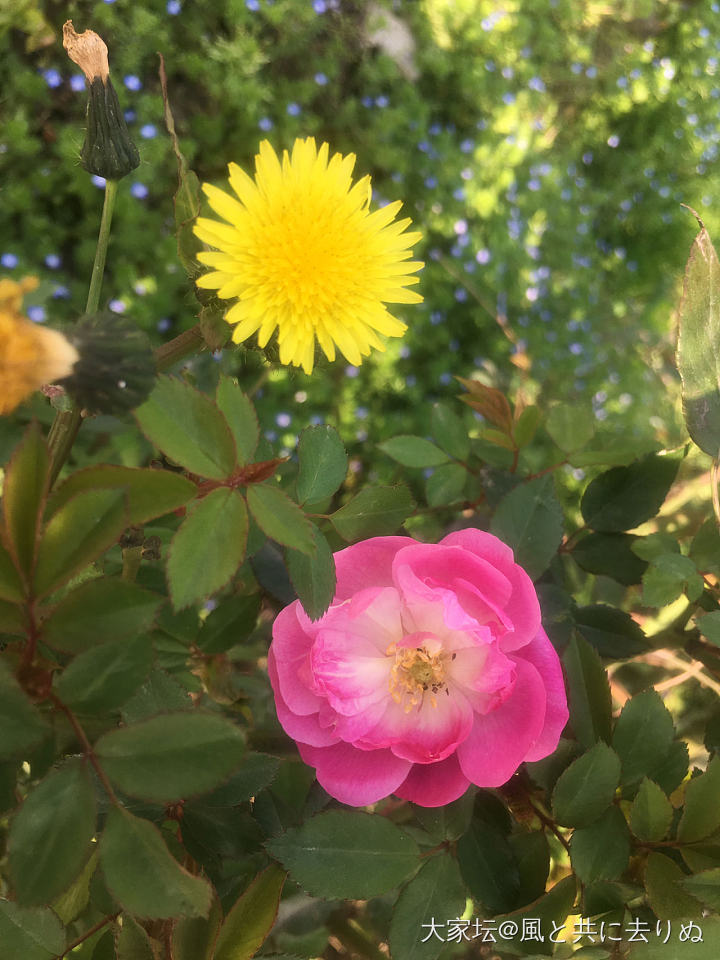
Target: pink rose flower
(430,671)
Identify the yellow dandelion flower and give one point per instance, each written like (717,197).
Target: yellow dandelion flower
(303,255)
(29,355)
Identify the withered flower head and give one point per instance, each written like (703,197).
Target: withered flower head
(108,150)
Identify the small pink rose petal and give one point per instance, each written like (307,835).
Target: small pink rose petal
(356,777)
(434,784)
(543,656)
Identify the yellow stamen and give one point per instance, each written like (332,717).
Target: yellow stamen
(414,673)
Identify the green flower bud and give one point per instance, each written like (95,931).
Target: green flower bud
(108,150)
(116,370)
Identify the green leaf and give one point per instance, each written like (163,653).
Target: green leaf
(279,518)
(77,534)
(159,694)
(446,484)
(709,626)
(625,497)
(323,463)
(250,920)
(552,908)
(701,813)
(172,757)
(188,428)
(193,937)
(413,451)
(26,484)
(664,883)
(50,835)
(667,578)
(643,735)
(705,886)
(449,431)
(208,547)
(651,812)
(436,892)
(526,425)
(587,787)
(610,555)
(313,576)
(529,519)
(612,632)
(698,335)
(131,942)
(588,693)
(103,678)
(101,610)
(375,511)
(257,771)
(143,876)
(448,822)
(532,855)
(363,856)
(488,866)
(21,723)
(705,547)
(150,493)
(11,588)
(12,620)
(30,933)
(601,851)
(241,418)
(673,768)
(571,425)
(231,622)
(75,899)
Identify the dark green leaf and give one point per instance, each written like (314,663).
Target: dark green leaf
(50,835)
(150,493)
(103,678)
(248,923)
(643,735)
(625,497)
(279,518)
(193,937)
(673,768)
(363,856)
(313,576)
(270,570)
(172,757)
(188,428)
(448,822)
(588,693)
(131,942)
(12,620)
(664,882)
(413,451)
(552,908)
(375,511)
(27,479)
(612,632)
(436,892)
(159,694)
(446,484)
(29,933)
(529,519)
(449,431)
(709,626)
(601,851)
(101,610)
(698,335)
(609,554)
(241,418)
(231,622)
(704,886)
(532,855)
(71,904)
(77,534)
(488,867)
(21,723)
(651,813)
(526,425)
(701,813)
(705,547)
(208,547)
(667,578)
(256,772)
(571,425)
(11,588)
(587,787)
(143,876)
(323,463)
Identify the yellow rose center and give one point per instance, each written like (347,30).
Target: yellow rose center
(414,673)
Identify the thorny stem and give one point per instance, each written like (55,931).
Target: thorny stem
(88,933)
(181,346)
(87,748)
(67,423)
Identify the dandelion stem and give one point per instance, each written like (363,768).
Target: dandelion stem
(67,422)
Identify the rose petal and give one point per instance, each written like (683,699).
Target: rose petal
(305,729)
(353,776)
(434,784)
(543,656)
(366,564)
(500,741)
